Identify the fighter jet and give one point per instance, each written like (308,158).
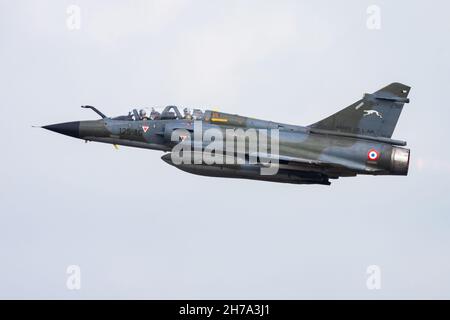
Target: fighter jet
(354,141)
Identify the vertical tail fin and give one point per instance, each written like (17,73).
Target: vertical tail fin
(374,115)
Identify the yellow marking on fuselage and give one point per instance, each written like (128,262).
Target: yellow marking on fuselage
(219,120)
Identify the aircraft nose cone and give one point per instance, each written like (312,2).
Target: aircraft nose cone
(71,129)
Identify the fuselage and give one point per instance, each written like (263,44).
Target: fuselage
(322,154)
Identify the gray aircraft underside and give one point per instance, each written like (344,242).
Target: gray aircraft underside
(356,140)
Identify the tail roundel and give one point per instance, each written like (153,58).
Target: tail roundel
(374,115)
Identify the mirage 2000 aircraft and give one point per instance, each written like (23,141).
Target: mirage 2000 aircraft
(354,141)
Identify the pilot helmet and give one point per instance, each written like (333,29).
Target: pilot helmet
(186,111)
(142,113)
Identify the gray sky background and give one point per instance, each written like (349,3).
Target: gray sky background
(139,228)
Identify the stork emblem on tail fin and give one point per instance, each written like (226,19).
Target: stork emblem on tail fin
(370,112)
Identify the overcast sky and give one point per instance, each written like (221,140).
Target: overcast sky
(139,228)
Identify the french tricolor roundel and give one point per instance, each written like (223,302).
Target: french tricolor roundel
(145,128)
(373,155)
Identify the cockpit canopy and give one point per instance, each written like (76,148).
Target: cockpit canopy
(158,113)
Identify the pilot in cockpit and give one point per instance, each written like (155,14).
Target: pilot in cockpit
(154,115)
(187,114)
(143,114)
